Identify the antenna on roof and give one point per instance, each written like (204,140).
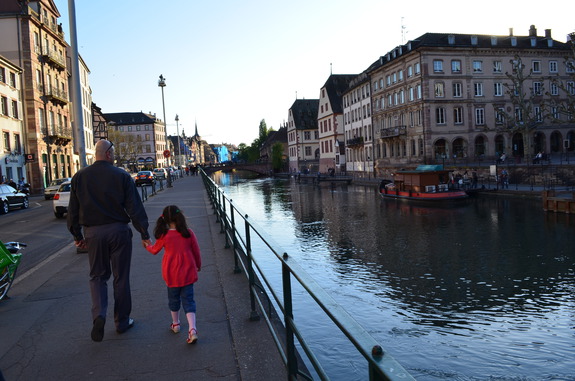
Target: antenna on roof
(330,69)
(403,31)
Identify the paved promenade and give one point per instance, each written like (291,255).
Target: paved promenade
(45,326)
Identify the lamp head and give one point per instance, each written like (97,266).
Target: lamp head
(162,81)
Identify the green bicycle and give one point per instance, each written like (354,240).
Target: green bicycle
(9,260)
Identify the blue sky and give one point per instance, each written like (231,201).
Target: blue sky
(229,64)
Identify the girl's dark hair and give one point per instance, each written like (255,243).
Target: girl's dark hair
(171,214)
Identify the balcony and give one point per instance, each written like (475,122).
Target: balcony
(53,58)
(58,135)
(56,95)
(393,132)
(355,142)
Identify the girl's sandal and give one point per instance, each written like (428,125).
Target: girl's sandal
(175,327)
(192,336)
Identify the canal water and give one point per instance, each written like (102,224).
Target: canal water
(479,291)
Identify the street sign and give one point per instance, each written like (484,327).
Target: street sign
(167,153)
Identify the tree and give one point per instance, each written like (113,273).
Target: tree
(528,107)
(127,147)
(277,156)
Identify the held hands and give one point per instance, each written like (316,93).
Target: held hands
(146,242)
(81,244)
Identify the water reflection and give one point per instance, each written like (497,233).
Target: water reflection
(479,290)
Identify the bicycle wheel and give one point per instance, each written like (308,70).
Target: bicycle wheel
(6,279)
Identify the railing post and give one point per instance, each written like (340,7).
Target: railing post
(288,319)
(237,268)
(253,313)
(223,217)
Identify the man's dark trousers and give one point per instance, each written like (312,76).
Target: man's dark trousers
(110,252)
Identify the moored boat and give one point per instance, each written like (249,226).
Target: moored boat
(426,183)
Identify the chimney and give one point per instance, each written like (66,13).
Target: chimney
(510,32)
(548,34)
(532,31)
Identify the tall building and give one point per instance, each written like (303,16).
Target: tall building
(34,41)
(12,160)
(139,140)
(357,125)
(472,97)
(330,122)
(303,135)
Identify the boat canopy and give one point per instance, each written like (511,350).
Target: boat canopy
(432,167)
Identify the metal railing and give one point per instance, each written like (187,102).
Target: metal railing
(238,230)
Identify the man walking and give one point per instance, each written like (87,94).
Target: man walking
(103,200)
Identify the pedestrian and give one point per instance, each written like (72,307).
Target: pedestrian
(103,200)
(180,266)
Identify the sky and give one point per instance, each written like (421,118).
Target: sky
(230,64)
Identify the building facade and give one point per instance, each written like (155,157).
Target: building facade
(12,159)
(139,140)
(33,39)
(303,136)
(358,126)
(472,97)
(330,123)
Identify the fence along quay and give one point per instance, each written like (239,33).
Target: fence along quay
(238,230)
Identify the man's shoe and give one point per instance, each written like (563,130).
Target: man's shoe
(130,325)
(98,329)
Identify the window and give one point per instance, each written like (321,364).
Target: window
(571,87)
(439,90)
(401,97)
(2,74)
(308,151)
(570,67)
(4,105)
(438,66)
(17,146)
(555,112)
(375,86)
(478,89)
(129,128)
(13,80)
(500,116)
(458,115)
(138,128)
(518,114)
(411,94)
(477,66)
(536,66)
(553,67)
(394,77)
(15,109)
(498,89)
(400,75)
(409,71)
(479,116)
(417,68)
(388,80)
(538,115)
(497,66)
(418,91)
(440,115)
(457,89)
(554,89)
(6,139)
(381,83)
(537,88)
(456,66)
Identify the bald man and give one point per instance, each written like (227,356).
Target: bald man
(103,200)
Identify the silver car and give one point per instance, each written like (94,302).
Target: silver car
(61,199)
(51,189)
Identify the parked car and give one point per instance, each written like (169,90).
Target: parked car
(61,199)
(145,177)
(51,189)
(11,198)
(161,173)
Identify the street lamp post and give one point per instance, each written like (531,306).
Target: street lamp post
(162,84)
(178,132)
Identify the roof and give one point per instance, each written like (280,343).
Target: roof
(304,113)
(335,86)
(472,41)
(124,118)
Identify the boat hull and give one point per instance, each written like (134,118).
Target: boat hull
(424,196)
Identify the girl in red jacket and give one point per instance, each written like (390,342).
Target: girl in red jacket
(180,266)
